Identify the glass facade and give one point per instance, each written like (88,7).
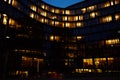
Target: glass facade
(40,38)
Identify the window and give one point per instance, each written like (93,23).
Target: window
(117,17)
(65,18)
(75,18)
(71,55)
(100,62)
(83,10)
(80,17)
(117,1)
(79,24)
(91,8)
(14,3)
(106,19)
(67,11)
(112,41)
(87,63)
(34,8)
(107,4)
(93,14)
(26,61)
(32,15)
(5,18)
(79,37)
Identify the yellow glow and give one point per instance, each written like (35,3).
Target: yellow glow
(14,3)
(65,18)
(43,6)
(32,15)
(107,19)
(107,4)
(117,16)
(67,11)
(11,22)
(88,61)
(75,18)
(52,10)
(67,24)
(80,17)
(34,8)
(93,14)
(5,19)
(57,11)
(112,41)
(112,3)
(83,10)
(91,8)
(51,38)
(79,37)
(79,24)
(57,38)
(70,55)
(42,20)
(110,58)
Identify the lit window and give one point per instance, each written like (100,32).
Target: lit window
(67,24)
(65,18)
(67,12)
(43,6)
(70,55)
(107,4)
(14,3)
(107,19)
(80,17)
(100,62)
(34,8)
(56,23)
(87,62)
(79,37)
(42,20)
(93,14)
(117,1)
(57,11)
(32,15)
(5,0)
(75,18)
(52,10)
(112,3)
(5,19)
(117,17)
(9,1)
(79,24)
(11,22)
(57,38)
(51,38)
(83,10)
(112,41)
(44,13)
(91,8)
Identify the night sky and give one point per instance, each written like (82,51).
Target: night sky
(62,3)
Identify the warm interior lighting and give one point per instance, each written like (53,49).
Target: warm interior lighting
(79,24)
(14,3)
(65,18)
(76,18)
(93,14)
(107,4)
(83,10)
(51,38)
(68,25)
(117,1)
(70,55)
(67,11)
(32,15)
(107,19)
(11,22)
(112,3)
(57,38)
(87,62)
(112,41)
(57,11)
(43,6)
(79,37)
(5,19)
(80,17)
(117,17)
(91,8)
(34,8)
